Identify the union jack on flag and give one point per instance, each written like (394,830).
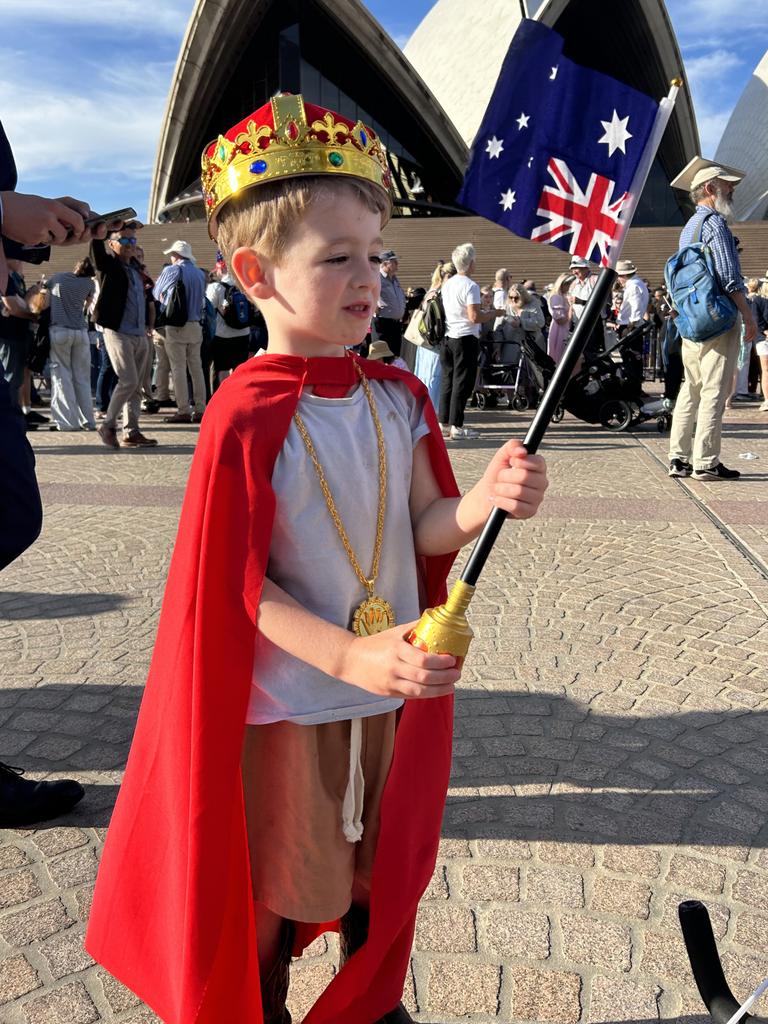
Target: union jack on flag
(560,150)
(590,216)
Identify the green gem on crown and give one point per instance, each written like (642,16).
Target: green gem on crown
(335,159)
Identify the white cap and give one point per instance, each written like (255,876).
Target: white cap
(577,261)
(180,249)
(700,170)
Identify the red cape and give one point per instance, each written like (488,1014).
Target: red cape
(172,913)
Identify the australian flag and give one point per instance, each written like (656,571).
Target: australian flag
(557,152)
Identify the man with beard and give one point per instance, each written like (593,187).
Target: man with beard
(709,365)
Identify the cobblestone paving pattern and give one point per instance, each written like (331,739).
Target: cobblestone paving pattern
(611,734)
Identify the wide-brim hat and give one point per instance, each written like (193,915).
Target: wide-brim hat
(699,170)
(388,254)
(288,138)
(625,268)
(180,248)
(380,350)
(578,261)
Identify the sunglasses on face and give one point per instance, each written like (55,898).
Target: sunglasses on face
(126,241)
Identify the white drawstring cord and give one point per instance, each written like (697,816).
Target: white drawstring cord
(352,807)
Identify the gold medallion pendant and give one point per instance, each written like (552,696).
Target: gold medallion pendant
(373,615)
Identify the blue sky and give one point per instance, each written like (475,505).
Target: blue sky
(84,84)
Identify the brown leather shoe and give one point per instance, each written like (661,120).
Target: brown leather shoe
(108,435)
(137,440)
(274,989)
(178,417)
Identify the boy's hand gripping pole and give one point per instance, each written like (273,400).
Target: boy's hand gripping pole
(445,629)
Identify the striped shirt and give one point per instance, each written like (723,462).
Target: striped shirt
(717,235)
(69,295)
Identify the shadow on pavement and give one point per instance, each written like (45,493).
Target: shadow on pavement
(20,604)
(525,766)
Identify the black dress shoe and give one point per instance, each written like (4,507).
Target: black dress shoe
(24,802)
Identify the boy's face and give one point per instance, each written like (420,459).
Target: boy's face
(324,291)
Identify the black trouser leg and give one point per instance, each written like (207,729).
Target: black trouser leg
(446,380)
(389,330)
(465,352)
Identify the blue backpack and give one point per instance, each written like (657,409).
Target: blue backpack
(237,309)
(703,311)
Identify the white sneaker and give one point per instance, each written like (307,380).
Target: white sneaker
(462,433)
(763,407)
(445,429)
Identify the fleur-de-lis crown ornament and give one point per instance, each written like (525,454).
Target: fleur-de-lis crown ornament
(287,138)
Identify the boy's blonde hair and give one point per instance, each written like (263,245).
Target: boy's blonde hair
(264,218)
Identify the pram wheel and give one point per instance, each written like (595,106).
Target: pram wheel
(519,403)
(558,414)
(485,401)
(616,414)
(663,423)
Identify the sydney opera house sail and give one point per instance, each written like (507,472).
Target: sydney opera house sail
(745,145)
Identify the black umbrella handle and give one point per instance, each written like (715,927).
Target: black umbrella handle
(705,962)
(549,402)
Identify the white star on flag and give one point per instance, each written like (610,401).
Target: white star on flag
(494,147)
(522,121)
(616,134)
(553,76)
(507,199)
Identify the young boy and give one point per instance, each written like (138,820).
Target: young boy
(296,784)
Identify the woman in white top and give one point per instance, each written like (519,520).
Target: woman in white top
(459,348)
(560,308)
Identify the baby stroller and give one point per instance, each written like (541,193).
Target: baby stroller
(600,392)
(496,379)
(521,381)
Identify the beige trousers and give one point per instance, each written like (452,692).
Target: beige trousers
(162,368)
(709,368)
(128,354)
(182,345)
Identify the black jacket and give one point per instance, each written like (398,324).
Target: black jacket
(21,512)
(113,286)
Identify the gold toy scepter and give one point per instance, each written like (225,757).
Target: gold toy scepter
(445,629)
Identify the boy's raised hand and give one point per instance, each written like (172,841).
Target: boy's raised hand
(515,481)
(385,664)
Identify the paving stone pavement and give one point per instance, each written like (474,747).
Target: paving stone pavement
(611,733)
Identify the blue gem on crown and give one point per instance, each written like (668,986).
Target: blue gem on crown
(363,138)
(258,167)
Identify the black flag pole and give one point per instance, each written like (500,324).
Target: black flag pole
(552,397)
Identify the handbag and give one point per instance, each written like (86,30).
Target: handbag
(413,330)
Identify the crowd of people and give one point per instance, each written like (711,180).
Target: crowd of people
(111,344)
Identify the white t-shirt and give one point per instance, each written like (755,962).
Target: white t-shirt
(634,304)
(457,293)
(306,556)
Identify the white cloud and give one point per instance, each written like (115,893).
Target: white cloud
(717,19)
(709,67)
(166,17)
(711,128)
(113,126)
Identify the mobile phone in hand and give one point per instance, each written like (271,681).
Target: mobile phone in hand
(128,213)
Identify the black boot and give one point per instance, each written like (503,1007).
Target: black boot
(24,802)
(352,934)
(274,989)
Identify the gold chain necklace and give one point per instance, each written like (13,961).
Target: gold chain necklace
(374,614)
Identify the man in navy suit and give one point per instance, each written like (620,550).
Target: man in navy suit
(27,221)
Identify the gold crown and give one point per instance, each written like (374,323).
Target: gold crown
(279,141)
